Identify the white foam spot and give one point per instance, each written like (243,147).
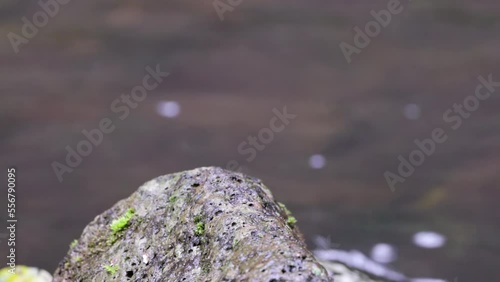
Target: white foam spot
(357,260)
(429,239)
(317,161)
(169,109)
(412,111)
(383,253)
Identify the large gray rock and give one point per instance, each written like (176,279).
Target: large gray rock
(207,224)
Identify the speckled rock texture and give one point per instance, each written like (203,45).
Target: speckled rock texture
(206,224)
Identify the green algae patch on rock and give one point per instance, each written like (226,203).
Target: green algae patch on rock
(200,226)
(73,243)
(290,219)
(122,222)
(118,225)
(111,269)
(206,224)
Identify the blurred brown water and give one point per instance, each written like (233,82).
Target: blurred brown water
(227,77)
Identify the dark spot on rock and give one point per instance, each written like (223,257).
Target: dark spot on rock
(196,241)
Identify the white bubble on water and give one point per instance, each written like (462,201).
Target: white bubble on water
(169,109)
(317,161)
(383,253)
(429,239)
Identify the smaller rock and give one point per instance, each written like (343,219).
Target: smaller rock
(24,274)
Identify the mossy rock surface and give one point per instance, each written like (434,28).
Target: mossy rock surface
(206,224)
